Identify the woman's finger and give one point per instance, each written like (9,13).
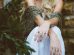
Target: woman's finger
(57,51)
(50,51)
(54,52)
(60,52)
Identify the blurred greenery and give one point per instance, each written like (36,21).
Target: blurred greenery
(12,28)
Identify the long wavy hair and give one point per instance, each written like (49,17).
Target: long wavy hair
(48,5)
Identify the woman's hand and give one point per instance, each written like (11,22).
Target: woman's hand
(55,45)
(42,31)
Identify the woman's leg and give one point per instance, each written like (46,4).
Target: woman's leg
(56,41)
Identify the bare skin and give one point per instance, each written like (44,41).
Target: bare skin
(44,27)
(55,47)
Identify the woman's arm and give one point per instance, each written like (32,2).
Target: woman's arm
(34,13)
(59,6)
(54,41)
(38,19)
(57,9)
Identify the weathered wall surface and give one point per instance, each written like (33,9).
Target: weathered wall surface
(68,26)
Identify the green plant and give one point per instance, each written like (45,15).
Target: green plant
(12,28)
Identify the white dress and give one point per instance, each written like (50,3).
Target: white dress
(42,48)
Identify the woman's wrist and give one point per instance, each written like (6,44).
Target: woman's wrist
(39,20)
(47,23)
(53,21)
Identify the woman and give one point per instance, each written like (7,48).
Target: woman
(46,38)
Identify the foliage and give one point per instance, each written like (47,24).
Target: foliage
(12,27)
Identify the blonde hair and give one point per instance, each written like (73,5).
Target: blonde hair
(49,5)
